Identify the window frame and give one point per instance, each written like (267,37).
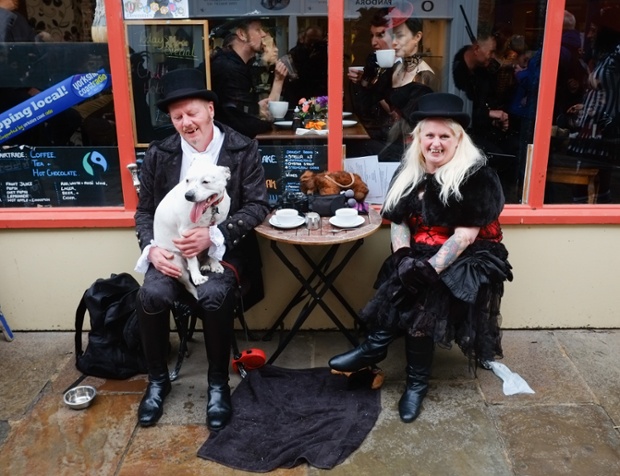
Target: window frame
(535,212)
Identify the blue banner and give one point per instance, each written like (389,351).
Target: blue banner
(50,102)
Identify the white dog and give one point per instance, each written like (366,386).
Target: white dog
(200,200)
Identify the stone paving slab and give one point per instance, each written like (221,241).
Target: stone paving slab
(55,440)
(559,440)
(28,363)
(596,354)
(454,435)
(537,357)
(171,450)
(467,426)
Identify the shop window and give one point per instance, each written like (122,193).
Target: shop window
(584,158)
(487,53)
(57,127)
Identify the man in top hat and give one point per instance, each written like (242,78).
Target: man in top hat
(198,137)
(231,72)
(444,280)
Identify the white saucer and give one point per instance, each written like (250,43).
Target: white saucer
(348,123)
(346,114)
(283,123)
(273,221)
(334,221)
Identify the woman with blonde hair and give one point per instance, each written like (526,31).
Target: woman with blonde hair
(445,278)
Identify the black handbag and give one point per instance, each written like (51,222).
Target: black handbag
(326,205)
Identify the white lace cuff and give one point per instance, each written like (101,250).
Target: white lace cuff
(217,248)
(143,262)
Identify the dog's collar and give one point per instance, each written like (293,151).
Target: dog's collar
(214,210)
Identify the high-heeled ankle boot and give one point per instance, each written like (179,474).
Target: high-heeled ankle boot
(154,333)
(419,352)
(218,333)
(369,352)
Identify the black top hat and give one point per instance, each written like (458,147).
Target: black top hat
(183,84)
(441,105)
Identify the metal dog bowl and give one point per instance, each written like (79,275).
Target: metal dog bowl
(80,397)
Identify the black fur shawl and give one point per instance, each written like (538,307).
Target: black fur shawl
(482,202)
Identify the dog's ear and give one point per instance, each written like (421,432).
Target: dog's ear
(225,171)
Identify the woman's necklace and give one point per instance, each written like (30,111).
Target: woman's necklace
(408,65)
(411,62)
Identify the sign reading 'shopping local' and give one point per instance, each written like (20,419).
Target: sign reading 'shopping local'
(50,102)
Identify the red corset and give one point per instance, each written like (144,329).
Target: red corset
(437,235)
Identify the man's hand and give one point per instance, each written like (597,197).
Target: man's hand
(162,260)
(193,242)
(499,118)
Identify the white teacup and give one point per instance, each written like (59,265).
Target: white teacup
(385,58)
(278,109)
(287,216)
(346,216)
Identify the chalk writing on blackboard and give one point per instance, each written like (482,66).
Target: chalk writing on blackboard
(284,165)
(60,177)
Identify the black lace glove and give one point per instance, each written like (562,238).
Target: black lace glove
(416,275)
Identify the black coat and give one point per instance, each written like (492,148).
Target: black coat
(237,104)
(249,206)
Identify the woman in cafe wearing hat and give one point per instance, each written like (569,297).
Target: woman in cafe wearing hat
(445,278)
(198,137)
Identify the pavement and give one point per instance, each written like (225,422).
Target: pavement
(569,426)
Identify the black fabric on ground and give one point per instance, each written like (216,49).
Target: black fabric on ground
(285,417)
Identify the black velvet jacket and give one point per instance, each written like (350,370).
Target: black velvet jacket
(249,206)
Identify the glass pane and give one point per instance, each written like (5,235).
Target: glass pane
(493,67)
(584,160)
(57,127)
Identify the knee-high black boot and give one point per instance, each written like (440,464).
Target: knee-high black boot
(218,327)
(154,333)
(419,352)
(369,352)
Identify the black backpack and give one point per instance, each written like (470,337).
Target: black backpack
(114,349)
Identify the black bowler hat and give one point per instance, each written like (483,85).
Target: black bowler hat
(441,105)
(183,84)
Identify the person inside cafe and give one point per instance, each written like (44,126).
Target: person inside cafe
(239,105)
(412,78)
(369,87)
(597,116)
(444,280)
(309,59)
(474,70)
(198,136)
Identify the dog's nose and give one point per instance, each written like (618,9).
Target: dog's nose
(189,196)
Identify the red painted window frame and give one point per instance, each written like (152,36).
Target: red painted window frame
(533,213)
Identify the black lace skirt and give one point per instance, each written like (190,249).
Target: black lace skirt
(472,320)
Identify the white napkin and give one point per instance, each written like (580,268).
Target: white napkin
(301,131)
(513,382)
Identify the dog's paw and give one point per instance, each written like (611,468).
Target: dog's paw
(199,279)
(213,266)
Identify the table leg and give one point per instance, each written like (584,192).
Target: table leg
(300,294)
(316,295)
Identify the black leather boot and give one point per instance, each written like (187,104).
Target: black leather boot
(369,352)
(154,333)
(218,327)
(419,352)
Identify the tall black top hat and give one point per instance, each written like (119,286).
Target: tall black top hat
(183,84)
(441,105)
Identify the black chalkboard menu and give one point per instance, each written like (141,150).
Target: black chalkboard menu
(60,177)
(284,164)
